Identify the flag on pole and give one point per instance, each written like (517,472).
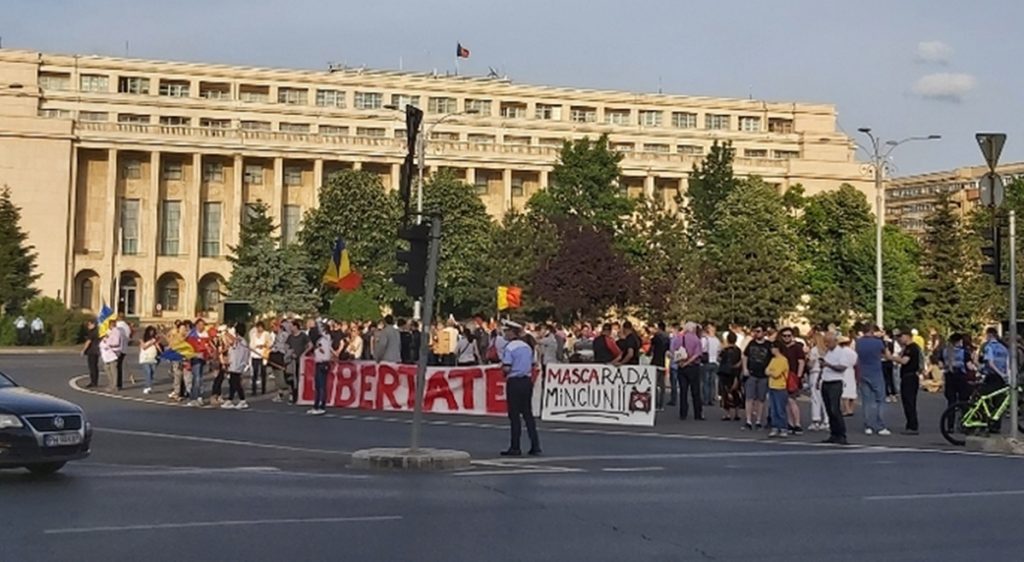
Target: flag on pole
(104,319)
(182,349)
(339,271)
(461,52)
(509,297)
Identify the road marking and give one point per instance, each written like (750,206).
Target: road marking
(712,455)
(634,469)
(524,470)
(983,494)
(217,441)
(194,524)
(171,471)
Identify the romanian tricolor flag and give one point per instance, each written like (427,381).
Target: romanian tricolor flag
(104,320)
(509,297)
(339,271)
(182,349)
(461,52)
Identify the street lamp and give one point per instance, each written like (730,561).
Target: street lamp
(421,151)
(880,164)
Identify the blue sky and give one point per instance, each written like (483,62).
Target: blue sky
(904,68)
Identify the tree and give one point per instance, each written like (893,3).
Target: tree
(269,276)
(355,206)
(17,258)
(355,306)
(465,245)
(710,184)
(586,275)
(518,244)
(659,253)
(900,275)
(584,185)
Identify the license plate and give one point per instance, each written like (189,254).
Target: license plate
(62,439)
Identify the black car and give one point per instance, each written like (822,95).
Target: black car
(38,431)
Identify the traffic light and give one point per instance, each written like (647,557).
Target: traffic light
(413,260)
(993,251)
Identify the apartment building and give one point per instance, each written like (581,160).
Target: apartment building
(133,175)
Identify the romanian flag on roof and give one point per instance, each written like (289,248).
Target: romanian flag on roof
(183,349)
(509,297)
(104,319)
(339,270)
(461,52)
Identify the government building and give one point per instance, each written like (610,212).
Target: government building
(132,175)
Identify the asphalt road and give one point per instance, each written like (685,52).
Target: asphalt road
(171,483)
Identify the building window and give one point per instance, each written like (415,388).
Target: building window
(94,83)
(253,93)
(402,100)
(169,293)
(54,81)
(55,113)
(513,110)
(651,118)
(657,148)
(209,294)
(208,123)
(290,223)
(293,96)
(377,132)
(292,175)
(518,189)
(175,121)
(442,105)
(623,146)
(690,149)
(93,116)
(750,124)
(334,130)
(479,107)
(132,85)
(787,154)
(294,127)
(175,88)
(514,139)
(253,174)
(213,172)
(444,136)
(133,118)
(781,126)
(481,185)
(170,227)
(616,116)
(480,138)
(548,112)
(755,153)
(129,227)
(369,100)
(551,141)
(215,90)
(716,121)
(255,125)
(172,170)
(131,170)
(85,294)
(684,120)
(330,98)
(211,230)
(578,114)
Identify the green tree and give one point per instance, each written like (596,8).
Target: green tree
(354,306)
(584,185)
(900,275)
(659,253)
(355,206)
(518,244)
(465,245)
(710,184)
(264,273)
(17,258)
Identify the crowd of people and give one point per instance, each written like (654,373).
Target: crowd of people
(759,372)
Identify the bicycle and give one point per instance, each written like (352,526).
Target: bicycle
(981,415)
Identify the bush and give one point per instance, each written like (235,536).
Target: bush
(8,335)
(356,306)
(60,325)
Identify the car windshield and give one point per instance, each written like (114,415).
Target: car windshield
(6,382)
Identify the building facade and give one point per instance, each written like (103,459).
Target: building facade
(133,175)
(910,199)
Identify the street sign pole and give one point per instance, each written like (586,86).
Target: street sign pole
(1014,432)
(428,315)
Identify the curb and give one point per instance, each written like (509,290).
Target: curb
(404,459)
(31,350)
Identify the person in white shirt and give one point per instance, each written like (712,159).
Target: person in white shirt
(260,342)
(110,352)
(126,337)
(710,346)
(38,337)
(838,360)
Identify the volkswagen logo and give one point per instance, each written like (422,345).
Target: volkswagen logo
(58,422)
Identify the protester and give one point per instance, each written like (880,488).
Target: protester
(605,349)
(687,356)
(778,374)
(870,353)
(756,357)
(819,419)
(91,351)
(729,370)
(796,359)
(909,361)
(517,363)
(125,332)
(110,349)
(200,342)
(149,348)
(838,360)
(659,349)
(710,346)
(240,360)
(466,354)
(629,348)
(322,359)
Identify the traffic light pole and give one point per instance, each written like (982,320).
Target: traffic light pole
(1014,432)
(428,314)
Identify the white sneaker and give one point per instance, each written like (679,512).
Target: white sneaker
(199,402)
(227,405)
(774,433)
(868,431)
(311,412)
(242,405)
(884,431)
(147,390)
(172,395)
(320,412)
(190,403)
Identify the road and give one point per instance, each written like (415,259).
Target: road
(170,483)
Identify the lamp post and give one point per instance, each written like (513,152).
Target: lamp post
(879,156)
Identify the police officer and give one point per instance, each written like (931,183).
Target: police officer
(517,362)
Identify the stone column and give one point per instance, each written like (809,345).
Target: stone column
(396,177)
(110,241)
(150,232)
(318,181)
(233,199)
(277,199)
(649,186)
(506,182)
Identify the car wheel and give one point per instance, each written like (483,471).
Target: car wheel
(45,468)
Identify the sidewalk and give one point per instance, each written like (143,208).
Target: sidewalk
(40,350)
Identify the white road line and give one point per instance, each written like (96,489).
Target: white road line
(217,441)
(301,521)
(711,455)
(983,494)
(634,469)
(516,472)
(178,471)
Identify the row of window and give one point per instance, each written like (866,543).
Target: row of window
(435,104)
(213,172)
(168,293)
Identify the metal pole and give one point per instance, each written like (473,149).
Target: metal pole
(428,313)
(1013,327)
(421,142)
(880,211)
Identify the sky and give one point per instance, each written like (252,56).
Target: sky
(903,68)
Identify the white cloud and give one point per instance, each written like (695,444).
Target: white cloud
(945,86)
(934,51)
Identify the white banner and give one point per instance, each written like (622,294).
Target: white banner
(599,394)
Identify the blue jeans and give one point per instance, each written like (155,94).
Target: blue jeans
(196,392)
(709,386)
(777,415)
(320,386)
(149,369)
(673,376)
(872,392)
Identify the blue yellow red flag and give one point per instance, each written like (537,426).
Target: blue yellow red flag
(104,319)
